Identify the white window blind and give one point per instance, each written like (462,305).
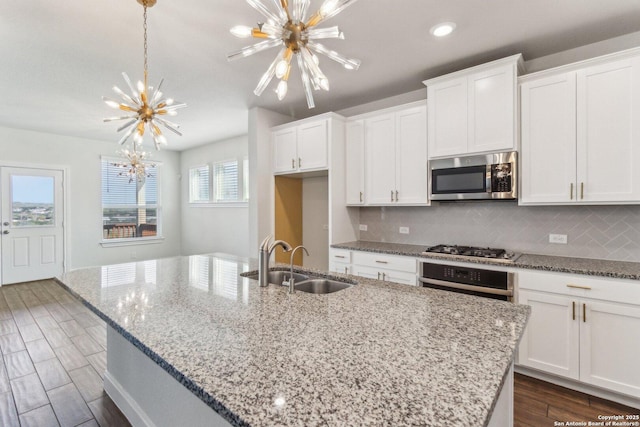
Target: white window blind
(199,184)
(226,187)
(130,208)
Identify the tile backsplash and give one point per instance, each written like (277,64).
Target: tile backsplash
(603,232)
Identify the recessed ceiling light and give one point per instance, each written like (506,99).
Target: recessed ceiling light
(443,29)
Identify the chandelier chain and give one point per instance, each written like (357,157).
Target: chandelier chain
(146,60)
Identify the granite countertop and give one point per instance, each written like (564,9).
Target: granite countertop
(590,267)
(373,354)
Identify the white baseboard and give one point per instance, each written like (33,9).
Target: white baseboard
(579,386)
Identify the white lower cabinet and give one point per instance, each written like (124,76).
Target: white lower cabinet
(574,332)
(340,261)
(389,268)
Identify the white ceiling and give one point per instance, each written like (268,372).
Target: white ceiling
(58,58)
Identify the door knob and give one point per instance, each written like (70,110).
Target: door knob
(5,232)
(5,223)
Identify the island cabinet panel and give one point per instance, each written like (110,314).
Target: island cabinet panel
(583,328)
(387,151)
(474,110)
(580,130)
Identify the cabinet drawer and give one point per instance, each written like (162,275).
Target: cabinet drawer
(387,262)
(607,289)
(340,255)
(406,278)
(337,267)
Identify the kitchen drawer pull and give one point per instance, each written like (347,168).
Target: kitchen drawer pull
(361,197)
(293,163)
(382,262)
(384,276)
(392,195)
(339,256)
(584,312)
(346,270)
(573,309)
(299,162)
(571,192)
(378,275)
(581,190)
(396,195)
(588,288)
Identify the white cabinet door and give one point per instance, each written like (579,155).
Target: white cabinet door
(610,345)
(551,339)
(380,153)
(340,268)
(365,271)
(285,156)
(312,145)
(491,112)
(548,151)
(608,127)
(447,103)
(355,163)
(411,156)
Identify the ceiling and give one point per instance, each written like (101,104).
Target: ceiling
(60,57)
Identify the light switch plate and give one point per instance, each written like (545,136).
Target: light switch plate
(558,238)
(404,230)
(363,227)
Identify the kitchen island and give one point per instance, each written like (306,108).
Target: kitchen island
(373,354)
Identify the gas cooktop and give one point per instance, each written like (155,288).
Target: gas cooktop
(473,252)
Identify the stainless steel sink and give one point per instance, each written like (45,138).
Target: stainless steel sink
(277,277)
(321,286)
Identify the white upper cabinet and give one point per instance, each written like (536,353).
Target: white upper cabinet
(300,147)
(395,157)
(578,132)
(474,110)
(355,162)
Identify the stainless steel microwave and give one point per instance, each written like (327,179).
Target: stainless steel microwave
(478,177)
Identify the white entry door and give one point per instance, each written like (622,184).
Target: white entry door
(32,224)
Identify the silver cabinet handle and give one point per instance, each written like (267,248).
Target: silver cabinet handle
(396,195)
(293,163)
(299,162)
(339,256)
(584,313)
(346,270)
(5,223)
(382,262)
(392,195)
(378,275)
(361,197)
(581,190)
(384,276)
(588,288)
(573,309)
(571,192)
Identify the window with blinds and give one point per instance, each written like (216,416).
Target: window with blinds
(199,184)
(220,183)
(130,208)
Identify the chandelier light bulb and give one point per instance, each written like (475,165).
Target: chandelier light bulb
(296,34)
(241,31)
(281,90)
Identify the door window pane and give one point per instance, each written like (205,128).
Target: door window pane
(32,201)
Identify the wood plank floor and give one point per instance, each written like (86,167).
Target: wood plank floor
(540,404)
(53,359)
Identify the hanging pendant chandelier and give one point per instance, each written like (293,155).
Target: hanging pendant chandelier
(297,37)
(146,105)
(135,166)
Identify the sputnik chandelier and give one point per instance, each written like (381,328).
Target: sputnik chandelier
(135,166)
(297,35)
(147,111)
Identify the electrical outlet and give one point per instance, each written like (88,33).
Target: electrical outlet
(558,238)
(404,230)
(363,227)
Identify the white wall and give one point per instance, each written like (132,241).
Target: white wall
(208,229)
(84,225)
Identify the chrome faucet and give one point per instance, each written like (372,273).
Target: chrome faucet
(292,281)
(264,255)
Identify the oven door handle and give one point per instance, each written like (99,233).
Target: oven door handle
(493,291)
